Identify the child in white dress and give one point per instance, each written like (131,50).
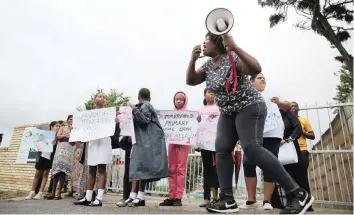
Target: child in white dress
(99,155)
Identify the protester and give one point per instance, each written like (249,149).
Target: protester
(292,132)
(177,161)
(49,191)
(210,177)
(243,113)
(63,159)
(271,141)
(148,161)
(43,166)
(99,154)
(307,133)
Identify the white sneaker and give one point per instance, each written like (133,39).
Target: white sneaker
(267,206)
(38,196)
(31,195)
(249,205)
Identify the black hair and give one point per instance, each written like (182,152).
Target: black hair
(60,122)
(204,100)
(217,41)
(70,116)
(253,77)
(51,125)
(144,93)
(295,103)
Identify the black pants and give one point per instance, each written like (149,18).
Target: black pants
(249,169)
(210,176)
(246,126)
(127,185)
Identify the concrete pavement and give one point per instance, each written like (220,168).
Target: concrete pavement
(65,206)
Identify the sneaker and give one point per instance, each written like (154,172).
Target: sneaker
(177,202)
(38,196)
(124,202)
(137,203)
(226,204)
(31,195)
(298,202)
(249,205)
(167,202)
(267,205)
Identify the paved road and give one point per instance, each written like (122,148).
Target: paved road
(65,206)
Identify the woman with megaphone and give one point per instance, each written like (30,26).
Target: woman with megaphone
(243,112)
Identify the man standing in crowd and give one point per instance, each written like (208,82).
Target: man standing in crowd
(307,133)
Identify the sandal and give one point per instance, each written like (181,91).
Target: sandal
(49,197)
(58,198)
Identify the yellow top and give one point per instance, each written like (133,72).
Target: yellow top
(306,126)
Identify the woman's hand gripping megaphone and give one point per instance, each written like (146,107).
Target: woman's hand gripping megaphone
(229,42)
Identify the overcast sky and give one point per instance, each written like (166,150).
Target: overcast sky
(54,54)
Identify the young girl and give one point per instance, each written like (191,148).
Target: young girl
(63,159)
(148,160)
(177,161)
(43,165)
(209,164)
(99,154)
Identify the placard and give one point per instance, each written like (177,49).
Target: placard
(126,123)
(33,141)
(180,127)
(206,133)
(93,124)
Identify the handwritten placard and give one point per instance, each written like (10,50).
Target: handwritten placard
(126,123)
(93,124)
(180,127)
(34,140)
(206,133)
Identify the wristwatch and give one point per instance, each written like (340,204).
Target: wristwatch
(290,139)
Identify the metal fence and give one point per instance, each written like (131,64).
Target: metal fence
(331,160)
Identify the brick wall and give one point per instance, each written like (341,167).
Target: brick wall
(15,176)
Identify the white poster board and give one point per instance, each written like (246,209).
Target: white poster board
(180,127)
(34,140)
(93,124)
(206,133)
(126,123)
(273,115)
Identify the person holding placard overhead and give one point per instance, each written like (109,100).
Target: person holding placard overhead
(177,161)
(210,176)
(272,135)
(99,154)
(243,114)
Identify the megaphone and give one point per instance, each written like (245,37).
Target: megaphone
(219,21)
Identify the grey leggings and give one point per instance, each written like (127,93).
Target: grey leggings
(246,126)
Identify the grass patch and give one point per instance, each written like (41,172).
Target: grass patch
(11,194)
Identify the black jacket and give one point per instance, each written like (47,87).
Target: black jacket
(115,137)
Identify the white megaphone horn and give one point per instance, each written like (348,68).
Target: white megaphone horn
(219,21)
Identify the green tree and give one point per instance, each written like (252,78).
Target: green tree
(113,99)
(345,86)
(329,18)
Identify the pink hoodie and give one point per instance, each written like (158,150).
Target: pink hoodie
(184,107)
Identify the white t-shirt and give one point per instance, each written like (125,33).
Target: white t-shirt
(46,155)
(274,126)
